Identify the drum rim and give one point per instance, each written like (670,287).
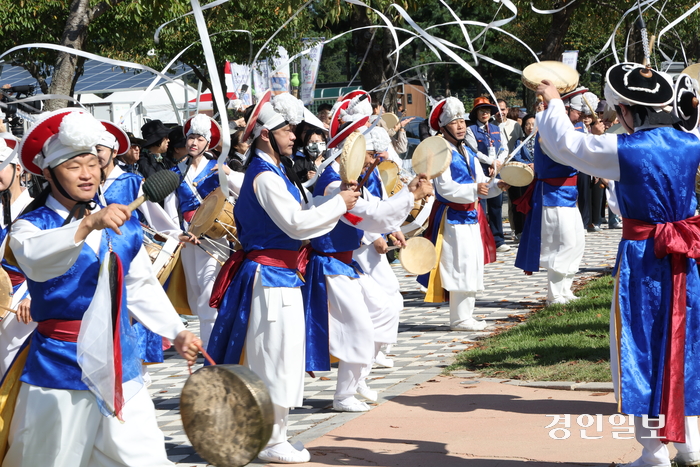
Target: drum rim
(349,150)
(197,227)
(432,140)
(532,84)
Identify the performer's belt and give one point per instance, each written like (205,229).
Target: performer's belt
(288,259)
(66,330)
(681,240)
(487,240)
(342,256)
(523,204)
(457,206)
(188,215)
(15,277)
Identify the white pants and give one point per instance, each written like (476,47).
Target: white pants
(654,452)
(559,286)
(64,428)
(462,306)
(13,333)
(200,273)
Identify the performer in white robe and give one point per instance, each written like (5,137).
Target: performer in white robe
(199,177)
(261,315)
(654,330)
(371,256)
(62,245)
(458,226)
(15,327)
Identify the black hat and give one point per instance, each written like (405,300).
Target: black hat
(601,107)
(153,132)
(685,103)
(177,138)
(134,140)
(636,84)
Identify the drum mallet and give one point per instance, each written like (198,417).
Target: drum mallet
(156,188)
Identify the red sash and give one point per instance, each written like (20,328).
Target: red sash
(342,256)
(487,240)
(287,259)
(522,204)
(681,240)
(15,277)
(188,215)
(60,329)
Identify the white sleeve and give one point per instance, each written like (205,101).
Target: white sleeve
(159,220)
(147,301)
(170,208)
(235,182)
(611,195)
(471,143)
(287,213)
(595,155)
(379,216)
(44,254)
(462,193)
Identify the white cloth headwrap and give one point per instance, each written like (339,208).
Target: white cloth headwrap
(267,118)
(108,140)
(453,109)
(362,108)
(5,150)
(291,108)
(78,134)
(592,100)
(200,125)
(378,140)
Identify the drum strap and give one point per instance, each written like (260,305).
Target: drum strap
(680,241)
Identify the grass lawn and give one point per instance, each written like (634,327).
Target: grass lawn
(557,343)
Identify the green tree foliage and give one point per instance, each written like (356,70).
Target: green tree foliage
(124,30)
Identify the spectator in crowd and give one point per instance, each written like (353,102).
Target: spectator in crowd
(129,160)
(156,139)
(324,114)
(511,131)
(236,155)
(526,155)
(176,146)
(309,153)
(397,134)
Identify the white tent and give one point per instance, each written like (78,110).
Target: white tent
(156,105)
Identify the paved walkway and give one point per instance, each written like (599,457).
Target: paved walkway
(425,347)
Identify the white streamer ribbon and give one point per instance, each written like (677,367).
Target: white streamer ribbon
(156,36)
(216,92)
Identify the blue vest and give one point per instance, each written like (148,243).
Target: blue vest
(373,185)
(206,182)
(343,237)
(52,363)
(485,139)
(124,189)
(463,171)
(545,167)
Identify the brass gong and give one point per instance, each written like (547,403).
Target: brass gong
(227,414)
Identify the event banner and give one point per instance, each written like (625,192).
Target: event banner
(240,82)
(309,68)
(280,76)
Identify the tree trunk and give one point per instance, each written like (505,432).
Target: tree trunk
(372,72)
(553,45)
(73,36)
(79,18)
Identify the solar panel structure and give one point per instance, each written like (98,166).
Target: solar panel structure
(98,78)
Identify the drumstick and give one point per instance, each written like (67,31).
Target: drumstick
(369,171)
(593,114)
(7,309)
(515,151)
(156,188)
